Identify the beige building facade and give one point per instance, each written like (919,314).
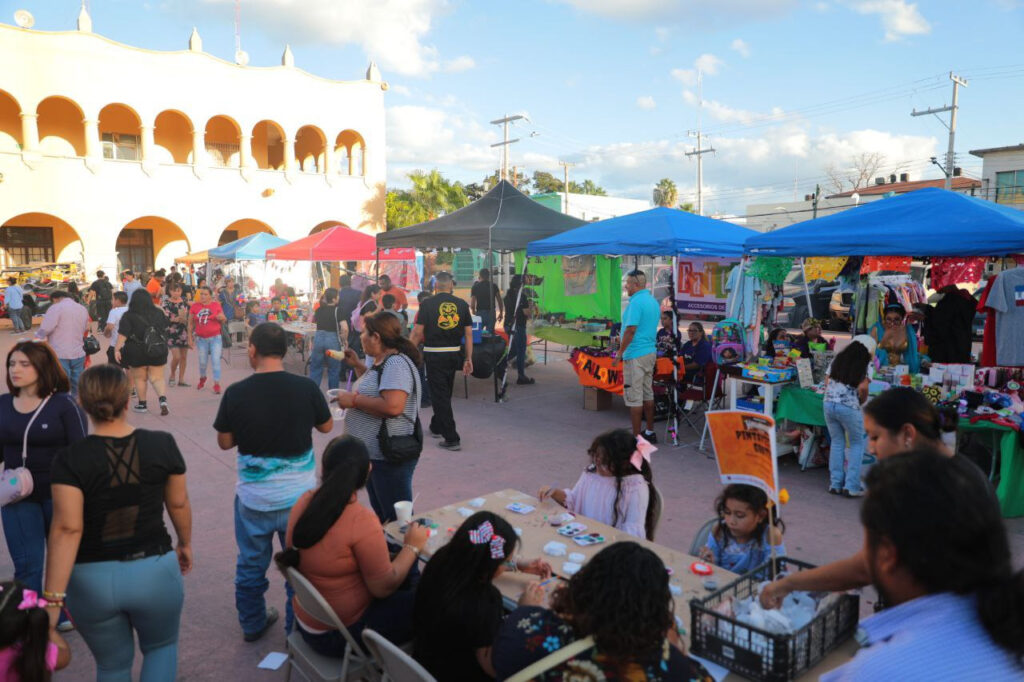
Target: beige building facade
(115,156)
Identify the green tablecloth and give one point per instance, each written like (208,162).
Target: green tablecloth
(804,406)
(567,337)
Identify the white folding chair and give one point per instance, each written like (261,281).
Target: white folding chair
(398,666)
(355,665)
(236,327)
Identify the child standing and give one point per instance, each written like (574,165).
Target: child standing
(29,649)
(846,389)
(618,486)
(458,609)
(744,535)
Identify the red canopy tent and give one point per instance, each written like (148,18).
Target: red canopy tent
(338,243)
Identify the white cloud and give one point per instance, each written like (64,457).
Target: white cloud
(463,63)
(707,63)
(400,90)
(646,102)
(392,32)
(741,46)
(420,137)
(684,11)
(899,18)
(726,114)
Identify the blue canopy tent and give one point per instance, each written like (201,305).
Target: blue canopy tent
(927,222)
(253,247)
(657,232)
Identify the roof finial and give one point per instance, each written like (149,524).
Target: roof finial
(84,20)
(373,73)
(288,59)
(195,43)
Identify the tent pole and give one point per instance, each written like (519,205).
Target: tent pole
(807,290)
(675,361)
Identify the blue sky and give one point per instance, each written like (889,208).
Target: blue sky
(790,87)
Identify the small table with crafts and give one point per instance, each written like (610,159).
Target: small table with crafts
(304,333)
(535,531)
(735,379)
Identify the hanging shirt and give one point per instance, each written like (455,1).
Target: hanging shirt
(988,343)
(1007,298)
(743,295)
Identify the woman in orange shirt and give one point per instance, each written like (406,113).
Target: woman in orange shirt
(338,545)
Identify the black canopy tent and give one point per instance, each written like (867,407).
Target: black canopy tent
(502,220)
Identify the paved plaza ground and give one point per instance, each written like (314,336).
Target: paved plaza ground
(540,436)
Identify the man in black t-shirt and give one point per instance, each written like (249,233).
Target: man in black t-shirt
(442,324)
(269,417)
(102,292)
(483,298)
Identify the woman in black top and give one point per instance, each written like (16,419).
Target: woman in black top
(458,609)
(142,346)
(111,555)
(517,307)
(621,599)
(39,402)
(327,337)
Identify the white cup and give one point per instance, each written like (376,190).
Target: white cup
(337,411)
(403,512)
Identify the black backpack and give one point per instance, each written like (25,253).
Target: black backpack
(154,341)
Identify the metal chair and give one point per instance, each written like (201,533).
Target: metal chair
(398,666)
(701,538)
(355,665)
(236,327)
(705,398)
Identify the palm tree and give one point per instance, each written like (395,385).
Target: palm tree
(665,193)
(436,195)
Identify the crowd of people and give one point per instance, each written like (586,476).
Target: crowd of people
(88,538)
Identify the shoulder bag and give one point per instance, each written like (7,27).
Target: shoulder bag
(17,484)
(400,449)
(553,660)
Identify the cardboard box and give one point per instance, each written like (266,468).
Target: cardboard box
(595,399)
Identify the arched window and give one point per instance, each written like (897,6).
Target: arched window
(310,147)
(268,145)
(38,238)
(61,127)
(120,133)
(350,150)
(223,137)
(149,243)
(172,137)
(10,123)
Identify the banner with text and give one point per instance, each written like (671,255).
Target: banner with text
(745,449)
(597,371)
(700,284)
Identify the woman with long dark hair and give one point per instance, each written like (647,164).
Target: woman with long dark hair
(902,419)
(142,346)
(387,391)
(176,308)
(846,389)
(458,608)
(339,546)
(111,556)
(38,418)
(327,338)
(621,600)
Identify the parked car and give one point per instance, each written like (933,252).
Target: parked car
(794,305)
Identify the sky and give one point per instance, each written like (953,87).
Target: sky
(789,88)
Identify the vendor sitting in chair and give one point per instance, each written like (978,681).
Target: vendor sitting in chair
(897,342)
(811,328)
(696,353)
(668,340)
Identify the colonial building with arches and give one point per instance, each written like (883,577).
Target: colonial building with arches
(115,156)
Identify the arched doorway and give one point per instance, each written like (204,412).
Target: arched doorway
(172,137)
(150,243)
(268,145)
(350,150)
(223,137)
(310,147)
(10,123)
(120,133)
(243,228)
(326,225)
(61,127)
(39,238)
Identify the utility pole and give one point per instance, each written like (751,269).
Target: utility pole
(699,151)
(504,152)
(952,109)
(814,202)
(565,183)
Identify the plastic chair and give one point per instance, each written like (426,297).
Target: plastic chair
(704,397)
(356,663)
(236,328)
(398,666)
(701,538)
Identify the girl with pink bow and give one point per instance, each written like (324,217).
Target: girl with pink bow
(29,648)
(618,486)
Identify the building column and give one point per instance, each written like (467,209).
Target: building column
(146,143)
(289,155)
(244,151)
(93,149)
(362,170)
(198,151)
(328,160)
(30,132)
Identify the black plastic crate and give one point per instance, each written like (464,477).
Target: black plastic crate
(759,654)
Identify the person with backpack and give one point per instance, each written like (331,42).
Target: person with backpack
(142,346)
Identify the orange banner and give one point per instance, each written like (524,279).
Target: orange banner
(597,371)
(745,449)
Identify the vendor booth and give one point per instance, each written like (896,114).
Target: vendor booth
(657,232)
(959,235)
(504,220)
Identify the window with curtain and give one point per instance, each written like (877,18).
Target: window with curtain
(1010,187)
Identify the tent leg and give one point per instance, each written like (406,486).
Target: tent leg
(675,361)
(807,291)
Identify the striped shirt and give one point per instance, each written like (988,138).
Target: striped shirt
(936,637)
(399,374)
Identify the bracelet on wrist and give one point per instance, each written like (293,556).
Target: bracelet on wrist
(415,550)
(512,565)
(56,603)
(54,596)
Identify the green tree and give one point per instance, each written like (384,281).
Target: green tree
(588,187)
(546,182)
(474,191)
(665,193)
(521,181)
(402,210)
(688,207)
(435,194)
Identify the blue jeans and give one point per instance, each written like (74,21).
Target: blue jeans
(486,319)
(73,367)
(389,483)
(16,319)
(844,423)
(26,527)
(209,350)
(110,601)
(254,534)
(324,341)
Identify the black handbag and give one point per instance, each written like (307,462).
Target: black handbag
(400,449)
(91,345)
